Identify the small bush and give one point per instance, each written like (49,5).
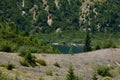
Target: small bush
(24,63)
(95,76)
(56,64)
(5,48)
(109,44)
(29,48)
(23,52)
(97,47)
(49,73)
(41,78)
(10,66)
(107,78)
(103,70)
(41,62)
(14,47)
(28,60)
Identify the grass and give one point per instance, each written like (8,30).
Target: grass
(41,78)
(49,73)
(105,40)
(41,62)
(24,63)
(107,78)
(2,65)
(4,76)
(57,64)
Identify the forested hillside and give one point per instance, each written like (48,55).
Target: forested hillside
(28,18)
(49,15)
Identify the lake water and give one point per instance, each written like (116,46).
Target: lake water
(69,48)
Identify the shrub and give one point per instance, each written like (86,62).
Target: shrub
(24,63)
(103,70)
(97,47)
(41,62)
(5,48)
(78,78)
(9,47)
(56,64)
(23,52)
(41,78)
(107,78)
(28,60)
(109,44)
(34,50)
(49,73)
(50,49)
(14,47)
(10,66)
(24,49)
(95,76)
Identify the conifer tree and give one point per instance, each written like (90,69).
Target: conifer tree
(70,75)
(87,46)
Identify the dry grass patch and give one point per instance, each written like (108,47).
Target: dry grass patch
(57,64)
(41,62)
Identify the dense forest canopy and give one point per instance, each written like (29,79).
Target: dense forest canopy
(48,15)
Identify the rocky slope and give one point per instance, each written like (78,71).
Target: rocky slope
(84,64)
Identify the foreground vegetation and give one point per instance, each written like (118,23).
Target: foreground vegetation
(4,76)
(59,67)
(101,72)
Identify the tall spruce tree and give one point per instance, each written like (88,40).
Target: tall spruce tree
(87,46)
